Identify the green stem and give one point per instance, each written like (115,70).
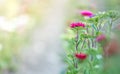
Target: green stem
(92,38)
(88,39)
(76,47)
(77,37)
(83,44)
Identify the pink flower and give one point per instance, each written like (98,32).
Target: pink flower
(100,38)
(86,13)
(77,24)
(81,56)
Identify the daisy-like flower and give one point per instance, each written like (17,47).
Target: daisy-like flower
(86,13)
(100,38)
(81,56)
(77,24)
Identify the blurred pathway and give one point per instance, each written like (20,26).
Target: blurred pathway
(42,55)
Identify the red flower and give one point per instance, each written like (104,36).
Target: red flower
(77,24)
(81,56)
(86,13)
(100,38)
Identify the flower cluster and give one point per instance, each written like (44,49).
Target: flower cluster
(81,56)
(90,43)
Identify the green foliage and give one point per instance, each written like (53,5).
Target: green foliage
(101,23)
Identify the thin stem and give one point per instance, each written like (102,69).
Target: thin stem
(77,40)
(93,39)
(99,26)
(83,44)
(88,44)
(76,47)
(111,23)
(88,39)
(110,26)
